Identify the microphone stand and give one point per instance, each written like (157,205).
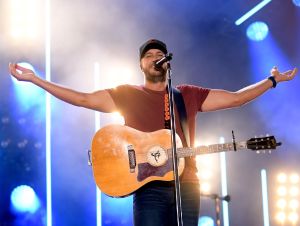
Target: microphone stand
(174,153)
(217,199)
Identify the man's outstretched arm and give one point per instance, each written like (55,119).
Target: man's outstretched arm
(99,100)
(222,99)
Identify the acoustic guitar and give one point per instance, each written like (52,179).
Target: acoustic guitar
(124,159)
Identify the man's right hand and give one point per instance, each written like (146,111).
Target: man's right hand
(21,73)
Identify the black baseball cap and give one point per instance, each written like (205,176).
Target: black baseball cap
(153,44)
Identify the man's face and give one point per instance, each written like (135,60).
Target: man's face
(147,63)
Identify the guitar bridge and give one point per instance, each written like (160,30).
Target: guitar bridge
(131,158)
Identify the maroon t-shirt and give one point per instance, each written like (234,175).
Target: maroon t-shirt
(143,109)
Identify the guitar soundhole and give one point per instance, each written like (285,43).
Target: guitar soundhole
(157,156)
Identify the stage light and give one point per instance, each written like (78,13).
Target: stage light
(206,221)
(257,31)
(281,203)
(252,12)
(293,218)
(264,189)
(282,191)
(294,191)
(294,204)
(294,178)
(281,178)
(280,217)
(287,198)
(24,199)
(296,2)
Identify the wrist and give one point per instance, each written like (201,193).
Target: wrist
(273,80)
(34,79)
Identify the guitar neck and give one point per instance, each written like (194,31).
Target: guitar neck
(201,150)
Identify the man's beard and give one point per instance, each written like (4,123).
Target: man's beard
(156,79)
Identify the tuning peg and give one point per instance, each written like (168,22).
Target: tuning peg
(267,135)
(257,152)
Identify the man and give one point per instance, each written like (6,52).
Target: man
(143,108)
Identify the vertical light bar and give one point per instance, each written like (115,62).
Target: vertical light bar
(252,12)
(264,189)
(224,184)
(97,127)
(48,111)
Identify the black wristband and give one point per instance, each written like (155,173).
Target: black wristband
(273,81)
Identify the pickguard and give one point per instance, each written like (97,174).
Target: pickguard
(146,170)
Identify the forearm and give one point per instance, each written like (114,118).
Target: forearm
(65,94)
(251,92)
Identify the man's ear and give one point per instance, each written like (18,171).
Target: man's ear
(141,67)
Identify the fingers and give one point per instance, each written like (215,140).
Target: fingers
(18,67)
(287,72)
(283,76)
(294,72)
(12,68)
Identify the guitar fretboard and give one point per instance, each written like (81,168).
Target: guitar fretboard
(215,148)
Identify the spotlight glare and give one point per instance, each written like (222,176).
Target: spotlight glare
(20,22)
(113,73)
(296,2)
(281,203)
(294,191)
(118,118)
(293,217)
(205,161)
(24,199)
(205,187)
(205,221)
(205,174)
(257,31)
(281,191)
(281,178)
(280,217)
(294,178)
(294,204)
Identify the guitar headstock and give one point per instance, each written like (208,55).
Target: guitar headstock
(262,143)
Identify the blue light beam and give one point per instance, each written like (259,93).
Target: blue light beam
(252,12)
(296,2)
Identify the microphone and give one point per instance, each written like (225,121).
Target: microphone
(226,198)
(158,64)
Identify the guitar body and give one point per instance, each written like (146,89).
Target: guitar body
(125,159)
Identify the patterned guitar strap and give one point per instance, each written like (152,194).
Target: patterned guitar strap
(179,103)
